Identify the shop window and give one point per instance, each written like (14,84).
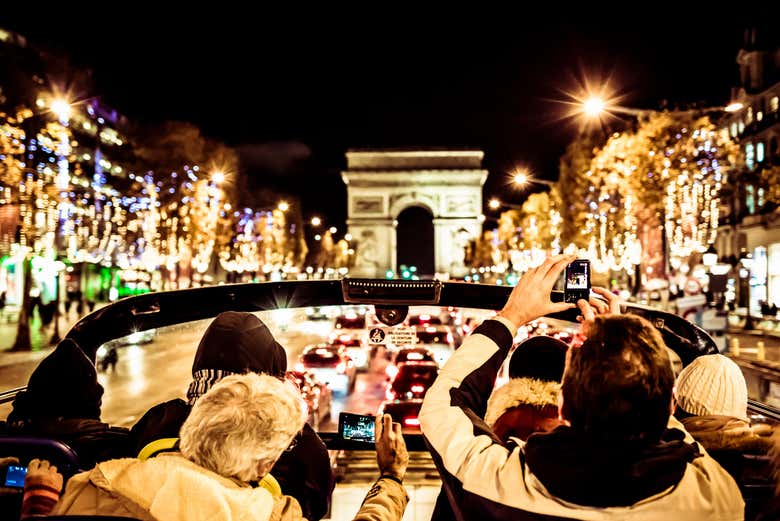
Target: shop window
(760,152)
(750,199)
(750,156)
(774,104)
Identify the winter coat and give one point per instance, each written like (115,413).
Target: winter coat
(237,343)
(172,488)
(558,475)
(523,407)
(743,450)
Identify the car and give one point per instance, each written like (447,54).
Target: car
(408,354)
(330,364)
(355,348)
(319,313)
(437,339)
(316,393)
(405,412)
(412,381)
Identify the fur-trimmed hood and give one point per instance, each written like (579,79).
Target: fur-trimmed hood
(717,433)
(520,391)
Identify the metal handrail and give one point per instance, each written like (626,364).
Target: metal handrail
(9,394)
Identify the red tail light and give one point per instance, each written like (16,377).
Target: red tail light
(412,422)
(418,389)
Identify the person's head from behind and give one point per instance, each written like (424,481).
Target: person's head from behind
(63,386)
(618,385)
(712,385)
(540,357)
(241,426)
(234,343)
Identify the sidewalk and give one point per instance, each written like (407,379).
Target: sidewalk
(40,338)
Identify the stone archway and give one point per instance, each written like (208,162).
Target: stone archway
(381,184)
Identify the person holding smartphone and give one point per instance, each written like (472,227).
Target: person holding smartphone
(619,454)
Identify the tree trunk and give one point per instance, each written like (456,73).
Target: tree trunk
(55,336)
(23,341)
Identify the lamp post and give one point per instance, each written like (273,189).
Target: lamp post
(746,260)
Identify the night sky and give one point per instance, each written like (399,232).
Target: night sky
(293,95)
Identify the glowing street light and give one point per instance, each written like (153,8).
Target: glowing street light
(733,107)
(218,177)
(283,206)
(332,230)
(316,221)
(520,178)
(494,204)
(594,106)
(62,109)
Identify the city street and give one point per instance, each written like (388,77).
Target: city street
(151,373)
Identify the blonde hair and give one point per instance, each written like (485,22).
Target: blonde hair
(242,422)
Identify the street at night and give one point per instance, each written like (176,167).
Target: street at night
(311,268)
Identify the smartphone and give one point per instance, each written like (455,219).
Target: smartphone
(577,282)
(356,427)
(13,476)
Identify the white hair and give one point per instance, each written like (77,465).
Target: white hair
(242,422)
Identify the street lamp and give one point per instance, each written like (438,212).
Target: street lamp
(283,206)
(316,221)
(61,108)
(594,106)
(494,204)
(522,178)
(746,259)
(332,230)
(218,177)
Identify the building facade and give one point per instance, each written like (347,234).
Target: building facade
(750,220)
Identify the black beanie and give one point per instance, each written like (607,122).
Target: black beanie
(239,342)
(64,385)
(540,357)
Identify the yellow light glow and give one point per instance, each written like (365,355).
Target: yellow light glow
(594,106)
(61,109)
(283,206)
(316,221)
(218,177)
(520,178)
(733,107)
(494,204)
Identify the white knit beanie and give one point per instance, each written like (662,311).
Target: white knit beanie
(712,385)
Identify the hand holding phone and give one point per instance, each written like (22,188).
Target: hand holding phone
(12,476)
(356,427)
(577,281)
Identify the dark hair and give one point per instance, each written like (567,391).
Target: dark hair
(540,357)
(618,384)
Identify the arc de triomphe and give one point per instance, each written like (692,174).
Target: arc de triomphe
(383,183)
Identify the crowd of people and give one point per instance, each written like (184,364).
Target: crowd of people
(602,429)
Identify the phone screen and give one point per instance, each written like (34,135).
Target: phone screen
(14,476)
(577,281)
(356,427)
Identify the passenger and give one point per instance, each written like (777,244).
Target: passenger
(236,343)
(231,438)
(620,455)
(62,402)
(528,403)
(712,403)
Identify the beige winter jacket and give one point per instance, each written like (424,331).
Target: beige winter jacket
(172,488)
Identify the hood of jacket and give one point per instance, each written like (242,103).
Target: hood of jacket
(719,433)
(172,488)
(520,391)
